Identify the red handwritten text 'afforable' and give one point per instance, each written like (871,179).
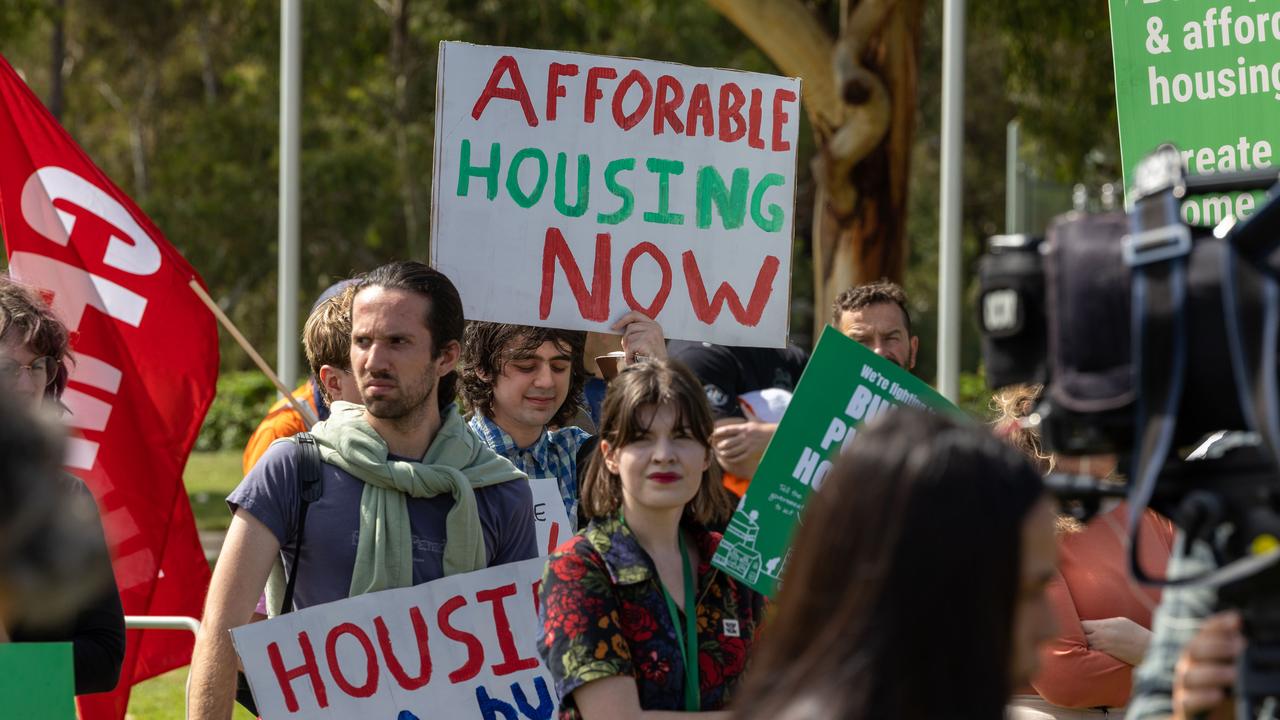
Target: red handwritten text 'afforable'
(660,103)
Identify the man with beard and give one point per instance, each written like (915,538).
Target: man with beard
(409,495)
(875,314)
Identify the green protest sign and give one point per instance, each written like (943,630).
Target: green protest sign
(38,681)
(844,385)
(1204,76)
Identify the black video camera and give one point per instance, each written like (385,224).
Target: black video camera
(1149,335)
(1104,305)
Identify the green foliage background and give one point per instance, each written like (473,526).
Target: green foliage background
(177,101)
(243,398)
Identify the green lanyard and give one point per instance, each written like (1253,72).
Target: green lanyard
(688,639)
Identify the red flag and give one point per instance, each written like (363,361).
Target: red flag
(146,362)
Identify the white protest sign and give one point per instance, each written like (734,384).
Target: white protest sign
(551,520)
(569,189)
(460,647)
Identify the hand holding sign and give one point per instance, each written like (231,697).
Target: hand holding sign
(641,337)
(460,647)
(739,441)
(844,385)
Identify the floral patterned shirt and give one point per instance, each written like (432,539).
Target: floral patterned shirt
(603,614)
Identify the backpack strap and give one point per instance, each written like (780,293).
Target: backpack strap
(310,488)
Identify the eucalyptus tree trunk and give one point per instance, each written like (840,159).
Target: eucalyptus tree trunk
(858,89)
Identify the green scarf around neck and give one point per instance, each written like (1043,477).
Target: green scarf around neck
(456,463)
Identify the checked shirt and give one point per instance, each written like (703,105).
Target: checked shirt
(554,455)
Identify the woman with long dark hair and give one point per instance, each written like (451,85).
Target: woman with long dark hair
(635,619)
(915,588)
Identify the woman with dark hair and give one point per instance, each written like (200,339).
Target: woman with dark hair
(34,353)
(635,620)
(916,584)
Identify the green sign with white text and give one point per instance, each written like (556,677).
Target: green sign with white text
(1205,76)
(844,385)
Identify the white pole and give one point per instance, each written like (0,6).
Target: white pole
(949,280)
(1012,187)
(290,112)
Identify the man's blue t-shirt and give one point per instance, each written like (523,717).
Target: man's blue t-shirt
(270,493)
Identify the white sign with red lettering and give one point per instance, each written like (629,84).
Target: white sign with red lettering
(460,647)
(551,520)
(570,189)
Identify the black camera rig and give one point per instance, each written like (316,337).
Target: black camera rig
(1149,336)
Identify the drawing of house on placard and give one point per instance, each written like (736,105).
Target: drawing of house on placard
(738,548)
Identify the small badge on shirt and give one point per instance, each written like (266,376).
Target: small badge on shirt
(731,628)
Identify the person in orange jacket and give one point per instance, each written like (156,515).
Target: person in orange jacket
(282,419)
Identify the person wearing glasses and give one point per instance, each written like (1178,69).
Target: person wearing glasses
(34,356)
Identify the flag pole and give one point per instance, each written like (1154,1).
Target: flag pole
(289,234)
(308,417)
(952,191)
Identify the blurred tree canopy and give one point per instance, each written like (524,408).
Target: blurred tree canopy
(177,101)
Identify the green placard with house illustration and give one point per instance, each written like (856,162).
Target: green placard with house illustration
(844,385)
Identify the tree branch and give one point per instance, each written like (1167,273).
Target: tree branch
(847,104)
(788,33)
(868,119)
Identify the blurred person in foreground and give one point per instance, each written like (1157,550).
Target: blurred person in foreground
(883,612)
(85,610)
(51,561)
(634,618)
(1103,614)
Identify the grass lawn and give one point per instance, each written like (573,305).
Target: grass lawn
(209,477)
(162,698)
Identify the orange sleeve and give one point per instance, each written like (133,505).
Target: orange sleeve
(282,423)
(736,485)
(1071,675)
